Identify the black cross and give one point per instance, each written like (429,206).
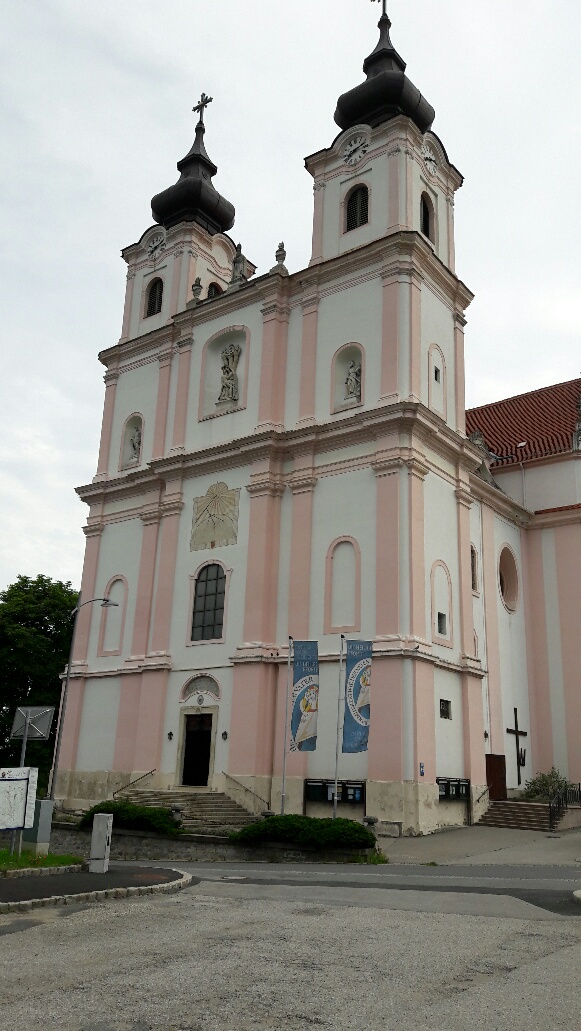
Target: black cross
(200,108)
(521,753)
(384,6)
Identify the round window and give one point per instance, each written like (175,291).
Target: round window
(508,579)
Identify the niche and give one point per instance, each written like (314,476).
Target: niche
(132,442)
(347,377)
(441,604)
(224,373)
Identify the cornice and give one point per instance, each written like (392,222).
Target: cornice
(499,501)
(568,516)
(138,346)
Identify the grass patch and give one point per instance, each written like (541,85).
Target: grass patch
(136,818)
(28,860)
(306,830)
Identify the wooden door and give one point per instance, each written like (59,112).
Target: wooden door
(496,777)
(197,750)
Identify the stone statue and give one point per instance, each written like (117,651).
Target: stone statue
(280,261)
(197,289)
(229,381)
(135,442)
(238,267)
(353,382)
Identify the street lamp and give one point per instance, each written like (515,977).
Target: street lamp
(106,603)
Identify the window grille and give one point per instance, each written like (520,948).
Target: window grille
(208,616)
(154,298)
(214,290)
(357,208)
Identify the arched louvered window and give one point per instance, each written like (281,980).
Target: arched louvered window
(154,298)
(357,209)
(214,290)
(208,617)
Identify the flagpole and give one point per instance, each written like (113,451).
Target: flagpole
(338,730)
(288,683)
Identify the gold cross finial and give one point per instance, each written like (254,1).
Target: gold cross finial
(200,108)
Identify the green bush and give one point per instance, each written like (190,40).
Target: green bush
(135,817)
(307,830)
(545,786)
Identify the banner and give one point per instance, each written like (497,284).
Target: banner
(305,697)
(357,696)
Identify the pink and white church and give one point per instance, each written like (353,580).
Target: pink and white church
(290,454)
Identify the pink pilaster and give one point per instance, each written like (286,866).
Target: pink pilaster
(273,368)
(424,721)
(415,343)
(459,323)
(124,754)
(390,340)
(182,394)
(302,487)
(171,511)
(385,756)
(473,729)
(253,713)
(416,475)
(568,561)
(309,361)
(144,593)
(463,506)
(319,201)
(451,248)
(175,283)
(393,176)
(260,609)
(93,532)
(162,404)
(72,724)
(490,584)
(128,304)
(110,378)
(150,720)
(537,650)
(387,482)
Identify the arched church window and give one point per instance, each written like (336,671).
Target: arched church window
(154,298)
(214,290)
(209,595)
(427,220)
(357,209)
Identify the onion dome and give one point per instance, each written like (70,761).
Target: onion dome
(193,198)
(386,93)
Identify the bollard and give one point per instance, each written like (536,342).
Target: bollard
(100,843)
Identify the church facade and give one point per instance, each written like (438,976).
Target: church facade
(289,456)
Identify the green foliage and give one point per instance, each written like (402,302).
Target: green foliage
(135,817)
(35,638)
(376,858)
(28,860)
(545,786)
(307,830)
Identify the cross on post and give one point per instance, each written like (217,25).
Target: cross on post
(203,104)
(521,753)
(384,6)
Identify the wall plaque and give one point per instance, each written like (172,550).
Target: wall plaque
(215,521)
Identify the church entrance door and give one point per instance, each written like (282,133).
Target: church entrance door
(496,777)
(197,750)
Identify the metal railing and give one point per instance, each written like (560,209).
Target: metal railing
(132,782)
(571,795)
(248,791)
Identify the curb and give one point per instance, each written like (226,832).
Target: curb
(43,871)
(577,897)
(97,896)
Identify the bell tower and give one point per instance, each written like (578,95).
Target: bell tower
(386,171)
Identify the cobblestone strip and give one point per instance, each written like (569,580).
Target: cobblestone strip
(97,896)
(43,871)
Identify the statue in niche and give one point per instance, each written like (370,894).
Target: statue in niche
(353,382)
(135,445)
(229,385)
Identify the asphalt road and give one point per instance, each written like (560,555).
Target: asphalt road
(271,947)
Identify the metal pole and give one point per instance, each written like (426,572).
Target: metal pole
(17,835)
(63,707)
(338,730)
(288,682)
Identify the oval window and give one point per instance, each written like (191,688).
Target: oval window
(508,579)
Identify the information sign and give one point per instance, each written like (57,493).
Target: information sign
(17,797)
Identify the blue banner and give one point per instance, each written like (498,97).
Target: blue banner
(357,696)
(305,697)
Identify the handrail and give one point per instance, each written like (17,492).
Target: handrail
(132,782)
(487,788)
(568,795)
(248,791)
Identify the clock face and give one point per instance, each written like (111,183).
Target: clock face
(155,244)
(355,149)
(429,159)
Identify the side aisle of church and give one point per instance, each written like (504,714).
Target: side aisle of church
(287,455)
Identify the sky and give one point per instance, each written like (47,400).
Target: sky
(96,109)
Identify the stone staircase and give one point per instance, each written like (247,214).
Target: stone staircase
(201,811)
(525,816)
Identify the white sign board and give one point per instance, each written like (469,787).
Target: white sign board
(17,797)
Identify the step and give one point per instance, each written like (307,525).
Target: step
(517,815)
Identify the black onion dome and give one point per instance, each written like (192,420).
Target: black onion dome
(193,198)
(386,93)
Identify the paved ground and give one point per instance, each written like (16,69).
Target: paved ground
(20,889)
(487,845)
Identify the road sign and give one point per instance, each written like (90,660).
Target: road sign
(32,721)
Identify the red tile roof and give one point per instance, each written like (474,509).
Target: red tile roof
(545,419)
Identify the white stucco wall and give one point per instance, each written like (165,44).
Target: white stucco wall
(119,554)
(449,735)
(552,485)
(136,392)
(438,328)
(98,724)
(352,315)
(441,543)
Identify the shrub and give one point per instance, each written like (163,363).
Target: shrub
(307,830)
(135,817)
(545,785)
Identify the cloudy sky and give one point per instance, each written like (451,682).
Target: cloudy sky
(95,110)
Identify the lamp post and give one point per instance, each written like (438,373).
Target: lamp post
(106,603)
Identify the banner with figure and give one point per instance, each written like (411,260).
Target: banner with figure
(357,696)
(305,697)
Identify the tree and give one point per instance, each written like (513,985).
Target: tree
(35,638)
